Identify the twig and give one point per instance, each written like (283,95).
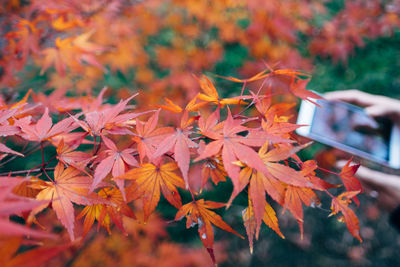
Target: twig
(25,171)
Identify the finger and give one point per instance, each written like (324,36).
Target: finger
(377,111)
(379,179)
(352,96)
(389,109)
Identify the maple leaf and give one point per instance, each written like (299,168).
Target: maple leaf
(234,147)
(43,129)
(68,187)
(71,140)
(294,197)
(341,204)
(212,167)
(181,143)
(282,172)
(114,161)
(350,182)
(105,213)
(210,94)
(210,125)
(298,88)
(148,137)
(274,181)
(151,179)
(265,107)
(198,212)
(277,126)
(259,184)
(65,22)
(108,119)
(68,156)
(250,223)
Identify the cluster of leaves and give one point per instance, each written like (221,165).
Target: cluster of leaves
(75,39)
(246,138)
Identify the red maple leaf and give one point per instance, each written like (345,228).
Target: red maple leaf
(350,182)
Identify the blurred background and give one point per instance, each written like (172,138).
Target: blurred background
(154,47)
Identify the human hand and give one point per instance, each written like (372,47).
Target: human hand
(385,187)
(375,105)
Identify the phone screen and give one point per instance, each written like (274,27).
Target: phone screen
(350,126)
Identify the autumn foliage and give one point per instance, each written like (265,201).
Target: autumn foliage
(134,158)
(113,163)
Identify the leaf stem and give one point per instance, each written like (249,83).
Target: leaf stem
(41,149)
(191,193)
(44,171)
(94,145)
(328,171)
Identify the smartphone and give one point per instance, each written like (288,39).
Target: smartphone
(349,128)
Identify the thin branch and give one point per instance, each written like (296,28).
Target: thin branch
(25,171)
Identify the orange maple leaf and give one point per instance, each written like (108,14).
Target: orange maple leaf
(274,181)
(250,223)
(210,94)
(212,167)
(341,204)
(282,172)
(197,212)
(294,197)
(68,187)
(105,213)
(152,179)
